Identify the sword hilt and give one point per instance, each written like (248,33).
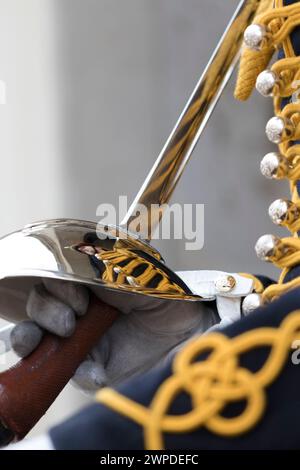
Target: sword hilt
(29,388)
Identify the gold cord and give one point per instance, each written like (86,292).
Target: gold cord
(211,384)
(279,21)
(252,62)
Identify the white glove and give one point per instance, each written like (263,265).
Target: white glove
(145,333)
(149,330)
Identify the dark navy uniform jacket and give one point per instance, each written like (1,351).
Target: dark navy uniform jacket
(99,427)
(263,377)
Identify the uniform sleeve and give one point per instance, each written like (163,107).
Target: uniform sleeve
(238,389)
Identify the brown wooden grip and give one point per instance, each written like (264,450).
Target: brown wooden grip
(29,388)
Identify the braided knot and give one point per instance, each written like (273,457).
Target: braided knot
(212,384)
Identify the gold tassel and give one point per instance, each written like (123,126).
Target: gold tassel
(252,63)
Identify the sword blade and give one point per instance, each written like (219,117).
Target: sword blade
(161,181)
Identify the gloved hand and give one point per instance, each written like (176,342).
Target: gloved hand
(146,331)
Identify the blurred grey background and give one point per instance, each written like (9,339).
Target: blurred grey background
(93,88)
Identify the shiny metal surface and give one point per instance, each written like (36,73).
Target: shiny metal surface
(112,257)
(91,254)
(169,166)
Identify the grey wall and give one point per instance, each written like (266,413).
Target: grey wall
(93,89)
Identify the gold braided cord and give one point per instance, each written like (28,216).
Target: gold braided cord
(212,385)
(288,71)
(292,154)
(290,256)
(252,62)
(276,290)
(279,21)
(251,65)
(292,112)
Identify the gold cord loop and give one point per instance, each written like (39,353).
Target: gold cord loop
(282,80)
(212,385)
